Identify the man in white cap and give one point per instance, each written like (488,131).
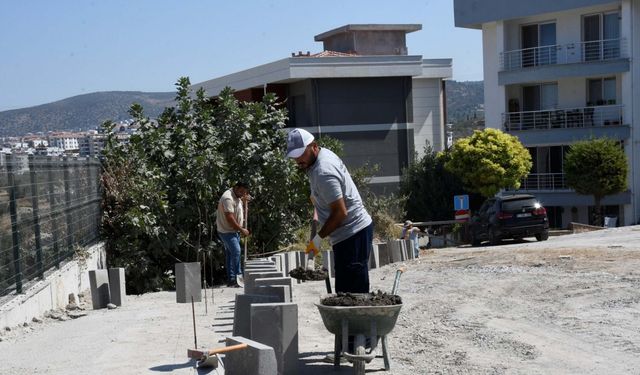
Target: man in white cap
(341,214)
(409,232)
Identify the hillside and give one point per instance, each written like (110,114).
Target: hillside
(464,109)
(81,112)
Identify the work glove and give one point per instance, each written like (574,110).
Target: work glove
(314,245)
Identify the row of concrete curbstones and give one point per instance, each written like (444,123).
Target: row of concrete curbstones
(265,315)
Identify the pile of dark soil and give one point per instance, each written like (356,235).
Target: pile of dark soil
(307,275)
(378,298)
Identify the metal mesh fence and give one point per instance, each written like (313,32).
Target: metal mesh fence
(48,207)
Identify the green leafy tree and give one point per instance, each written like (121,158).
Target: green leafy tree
(429,187)
(161,189)
(596,167)
(488,161)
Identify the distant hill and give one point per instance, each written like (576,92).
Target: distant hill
(464,109)
(81,112)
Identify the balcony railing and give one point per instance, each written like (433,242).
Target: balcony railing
(577,52)
(544,181)
(604,115)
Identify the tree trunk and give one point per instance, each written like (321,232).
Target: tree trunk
(597,211)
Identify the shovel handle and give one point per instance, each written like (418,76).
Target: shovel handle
(226,349)
(396,282)
(200,354)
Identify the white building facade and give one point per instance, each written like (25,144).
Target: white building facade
(556,72)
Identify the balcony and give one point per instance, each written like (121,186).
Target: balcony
(570,53)
(543,181)
(583,117)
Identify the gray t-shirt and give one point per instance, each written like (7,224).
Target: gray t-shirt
(331,181)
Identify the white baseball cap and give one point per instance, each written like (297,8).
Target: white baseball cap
(297,141)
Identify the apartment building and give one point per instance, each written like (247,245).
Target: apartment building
(64,140)
(92,143)
(363,89)
(556,72)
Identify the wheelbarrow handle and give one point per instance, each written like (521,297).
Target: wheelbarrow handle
(396,282)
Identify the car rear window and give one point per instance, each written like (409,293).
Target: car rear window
(518,204)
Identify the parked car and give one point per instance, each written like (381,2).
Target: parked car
(510,216)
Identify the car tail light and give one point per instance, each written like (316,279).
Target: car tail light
(540,211)
(504,215)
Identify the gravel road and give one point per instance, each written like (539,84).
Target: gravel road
(570,305)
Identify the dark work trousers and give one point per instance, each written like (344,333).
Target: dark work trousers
(352,262)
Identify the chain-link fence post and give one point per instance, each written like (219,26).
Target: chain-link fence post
(94,188)
(13,209)
(53,214)
(67,204)
(36,215)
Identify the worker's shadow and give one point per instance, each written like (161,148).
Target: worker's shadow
(177,366)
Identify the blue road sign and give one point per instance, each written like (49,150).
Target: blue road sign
(461,202)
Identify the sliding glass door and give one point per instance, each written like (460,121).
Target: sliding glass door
(601,36)
(538,44)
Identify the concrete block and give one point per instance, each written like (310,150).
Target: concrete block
(274,281)
(264,262)
(302,259)
(260,269)
(328,262)
(117,286)
(279,259)
(384,257)
(188,282)
(403,250)
(260,265)
(256,359)
(374,257)
(249,279)
(99,282)
(395,251)
(276,325)
(293,260)
(282,292)
(410,252)
(242,312)
(285,264)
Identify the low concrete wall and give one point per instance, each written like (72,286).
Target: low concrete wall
(53,292)
(581,228)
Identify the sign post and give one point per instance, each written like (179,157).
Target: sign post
(461,207)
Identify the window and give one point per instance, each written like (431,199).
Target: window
(601,91)
(540,97)
(538,43)
(601,36)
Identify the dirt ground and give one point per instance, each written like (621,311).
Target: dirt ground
(570,305)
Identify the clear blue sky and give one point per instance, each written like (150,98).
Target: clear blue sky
(51,50)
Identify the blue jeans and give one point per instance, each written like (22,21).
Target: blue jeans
(231,242)
(352,262)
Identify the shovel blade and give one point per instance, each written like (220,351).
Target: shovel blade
(196,354)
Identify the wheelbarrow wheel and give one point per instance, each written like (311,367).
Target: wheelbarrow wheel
(359,345)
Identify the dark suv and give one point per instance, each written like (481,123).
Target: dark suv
(510,216)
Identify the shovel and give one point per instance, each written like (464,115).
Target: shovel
(240,278)
(209,357)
